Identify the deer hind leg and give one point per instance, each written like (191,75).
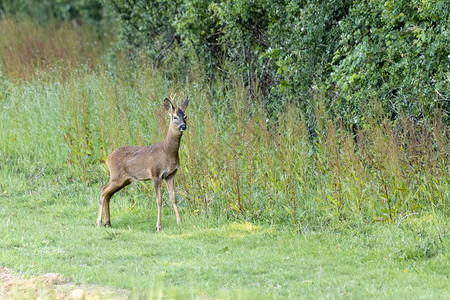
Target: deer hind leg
(108,191)
(171,188)
(102,202)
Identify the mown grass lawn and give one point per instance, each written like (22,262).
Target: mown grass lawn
(47,225)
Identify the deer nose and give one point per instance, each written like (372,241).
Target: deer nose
(183,127)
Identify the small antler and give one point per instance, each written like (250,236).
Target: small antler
(172,98)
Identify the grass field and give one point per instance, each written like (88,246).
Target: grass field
(47,225)
(271,208)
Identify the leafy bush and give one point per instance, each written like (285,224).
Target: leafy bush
(396,51)
(351,52)
(147,26)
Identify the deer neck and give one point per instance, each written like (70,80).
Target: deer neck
(172,140)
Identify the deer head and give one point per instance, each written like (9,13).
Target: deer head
(177,115)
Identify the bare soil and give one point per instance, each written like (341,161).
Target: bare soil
(51,286)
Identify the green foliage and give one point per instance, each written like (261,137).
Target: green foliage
(147,26)
(44,11)
(302,42)
(396,51)
(276,46)
(352,52)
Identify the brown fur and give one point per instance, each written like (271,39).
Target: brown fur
(137,163)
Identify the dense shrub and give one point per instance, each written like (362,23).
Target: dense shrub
(347,53)
(354,51)
(396,51)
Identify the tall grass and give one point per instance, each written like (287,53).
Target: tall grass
(26,48)
(236,161)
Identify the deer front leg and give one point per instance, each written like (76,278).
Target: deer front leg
(170,181)
(107,215)
(100,212)
(158,202)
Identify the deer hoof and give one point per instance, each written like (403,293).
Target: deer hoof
(158,228)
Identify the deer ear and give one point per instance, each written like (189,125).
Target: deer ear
(185,103)
(168,105)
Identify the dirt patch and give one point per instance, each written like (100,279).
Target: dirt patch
(51,286)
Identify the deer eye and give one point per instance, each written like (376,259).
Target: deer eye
(185,117)
(175,117)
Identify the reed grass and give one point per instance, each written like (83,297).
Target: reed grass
(236,159)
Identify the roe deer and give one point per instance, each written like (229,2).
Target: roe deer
(159,161)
